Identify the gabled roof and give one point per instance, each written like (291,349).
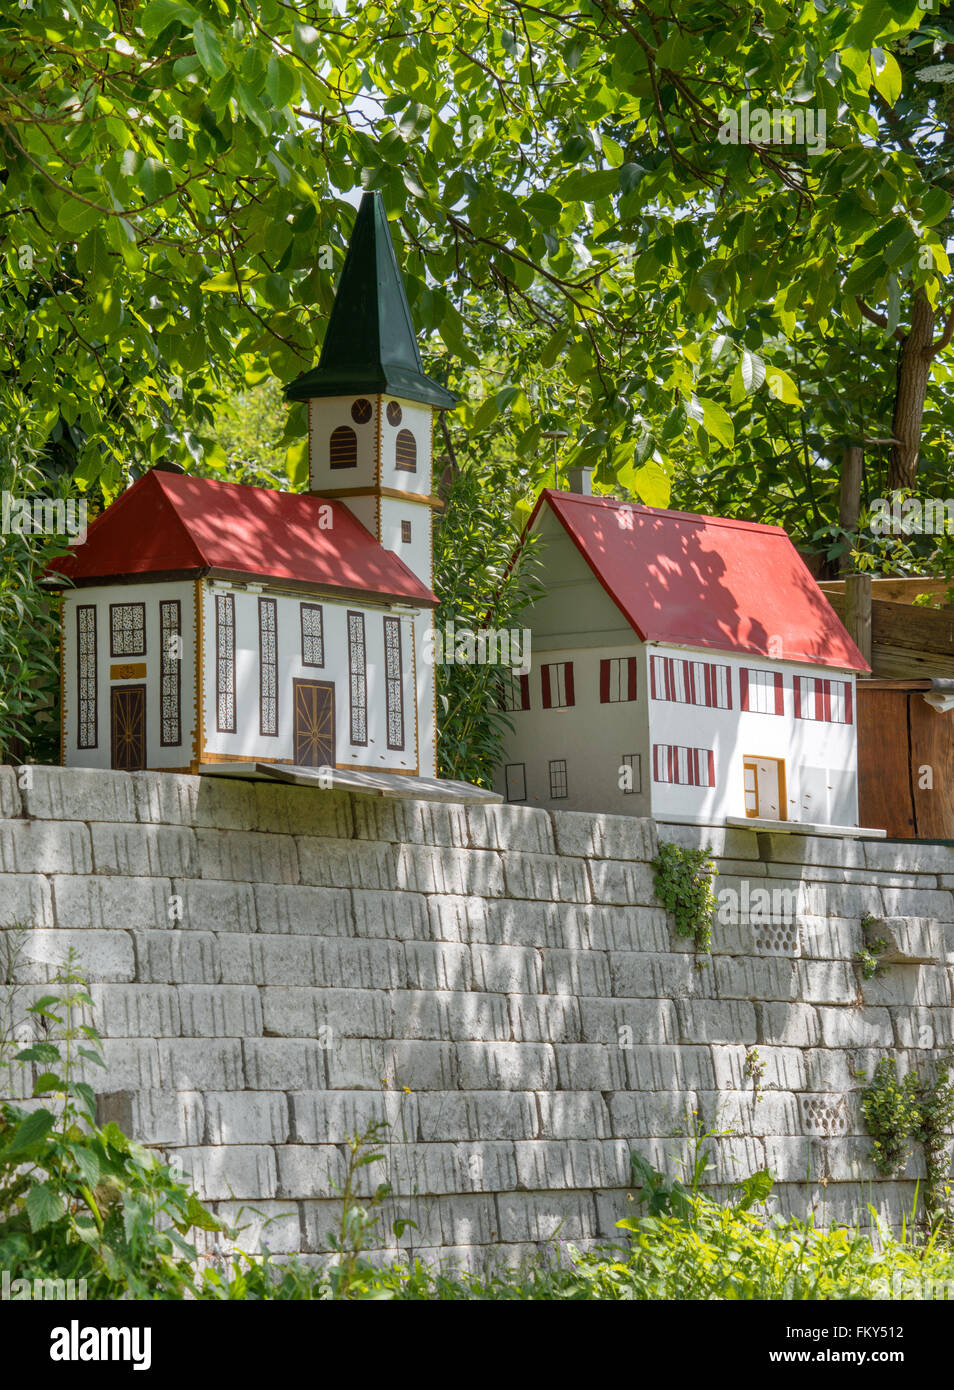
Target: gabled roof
(173,523)
(705,581)
(369,345)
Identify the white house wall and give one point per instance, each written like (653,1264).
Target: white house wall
(820,758)
(247,742)
(590,737)
(151,595)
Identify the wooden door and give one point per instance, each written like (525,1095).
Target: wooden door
(127,728)
(314,723)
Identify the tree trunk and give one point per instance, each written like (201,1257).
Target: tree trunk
(914,370)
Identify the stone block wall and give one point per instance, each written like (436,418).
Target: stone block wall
(275,967)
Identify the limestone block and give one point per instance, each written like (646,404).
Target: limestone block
(577,972)
(136,1011)
(886,880)
(333,863)
(710,1020)
(573,1115)
(446,1117)
(452,1016)
(277,960)
(143,851)
(792,1025)
(590,836)
(172,957)
(775,1112)
(238,855)
(164,1117)
(824,1115)
(272,1226)
(522,829)
(305,1012)
(834,938)
(722,842)
(628,1022)
(664,976)
(246,1117)
(839,899)
(452,917)
(854,1027)
(908,940)
(283,1064)
(26,900)
(233,1171)
(634,1114)
(918,1027)
(177,799)
(826,982)
(132,1064)
(783,1068)
(794,1158)
(214,905)
(430,869)
(546,877)
(910,856)
(203,1064)
(845,1069)
(421,1065)
(740,977)
(10,805)
(546,1165)
(918,902)
(544,1018)
(623,929)
(44,847)
(299,909)
(319,1117)
(312,811)
(507,969)
(397,916)
(437,965)
(220,1011)
(813,849)
(615,881)
(356,1064)
(909,984)
(409,822)
(77,794)
(526,922)
(506,1066)
(547,1218)
(589,1066)
(113,903)
(101,955)
(668,1068)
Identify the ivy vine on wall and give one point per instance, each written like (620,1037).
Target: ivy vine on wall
(683,883)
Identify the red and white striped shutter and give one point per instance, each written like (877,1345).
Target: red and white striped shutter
(825,693)
(524,692)
(711,767)
(545,685)
(568,677)
(652,677)
(744,688)
(604,682)
(671,762)
(670,679)
(632,677)
(728,686)
(797,689)
(779,693)
(848,710)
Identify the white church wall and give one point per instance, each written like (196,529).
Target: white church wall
(247,741)
(108,668)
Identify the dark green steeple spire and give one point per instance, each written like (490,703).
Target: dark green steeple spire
(370,345)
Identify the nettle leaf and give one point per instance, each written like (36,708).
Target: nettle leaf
(33,1130)
(43,1206)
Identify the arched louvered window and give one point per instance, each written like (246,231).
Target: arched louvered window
(343,451)
(405,451)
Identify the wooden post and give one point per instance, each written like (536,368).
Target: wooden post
(858,612)
(849,501)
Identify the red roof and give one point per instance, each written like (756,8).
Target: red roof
(705,581)
(172,522)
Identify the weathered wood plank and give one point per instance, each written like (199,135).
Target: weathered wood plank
(884,765)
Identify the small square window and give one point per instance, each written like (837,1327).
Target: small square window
(406,532)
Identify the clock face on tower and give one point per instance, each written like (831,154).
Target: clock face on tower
(361,411)
(395,413)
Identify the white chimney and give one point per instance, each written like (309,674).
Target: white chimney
(580,480)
